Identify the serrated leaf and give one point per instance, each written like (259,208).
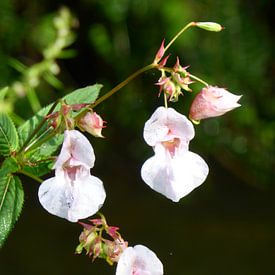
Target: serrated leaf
(11,203)
(88,94)
(9,166)
(8,135)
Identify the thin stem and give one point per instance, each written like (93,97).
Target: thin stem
(191,24)
(117,88)
(38,142)
(123,83)
(38,127)
(198,79)
(30,175)
(165,100)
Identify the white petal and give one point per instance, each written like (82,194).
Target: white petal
(76,145)
(53,196)
(72,201)
(155,128)
(177,177)
(139,260)
(126,262)
(89,196)
(165,124)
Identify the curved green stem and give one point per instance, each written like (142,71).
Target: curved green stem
(30,175)
(198,79)
(124,83)
(39,141)
(191,24)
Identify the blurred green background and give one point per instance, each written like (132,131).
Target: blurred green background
(226,226)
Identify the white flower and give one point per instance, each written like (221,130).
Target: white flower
(173,171)
(73,193)
(139,260)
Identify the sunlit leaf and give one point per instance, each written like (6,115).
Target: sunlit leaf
(11,202)
(8,135)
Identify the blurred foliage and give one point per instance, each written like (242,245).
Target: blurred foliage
(116,37)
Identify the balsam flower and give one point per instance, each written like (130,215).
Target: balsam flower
(73,193)
(211,102)
(139,260)
(173,171)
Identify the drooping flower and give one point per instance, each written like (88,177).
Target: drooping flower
(92,123)
(211,102)
(139,260)
(73,193)
(173,171)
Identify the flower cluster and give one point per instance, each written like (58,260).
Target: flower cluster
(178,81)
(138,260)
(174,171)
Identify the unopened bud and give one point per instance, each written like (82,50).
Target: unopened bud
(92,123)
(160,53)
(212,102)
(209,26)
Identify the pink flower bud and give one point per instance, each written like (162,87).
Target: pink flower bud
(160,53)
(92,123)
(211,102)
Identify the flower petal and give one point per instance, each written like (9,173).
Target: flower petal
(174,177)
(89,196)
(165,124)
(72,201)
(77,146)
(139,260)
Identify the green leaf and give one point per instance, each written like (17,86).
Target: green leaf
(8,135)
(9,166)
(11,203)
(88,94)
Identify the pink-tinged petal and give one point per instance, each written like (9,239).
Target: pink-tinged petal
(72,200)
(213,102)
(76,148)
(180,125)
(165,124)
(174,177)
(89,196)
(139,260)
